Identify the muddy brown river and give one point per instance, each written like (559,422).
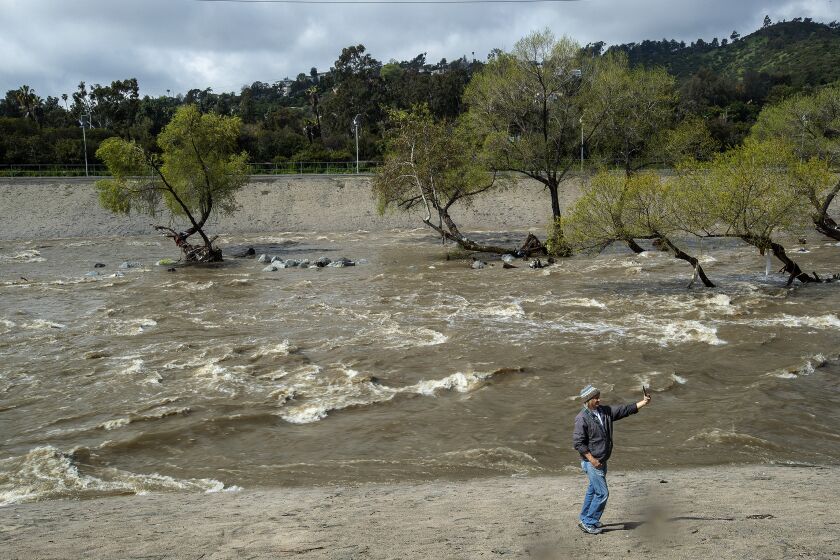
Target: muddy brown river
(407,366)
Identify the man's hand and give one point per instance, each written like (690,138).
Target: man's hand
(595,462)
(645,401)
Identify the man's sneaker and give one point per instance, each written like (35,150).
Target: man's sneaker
(591,529)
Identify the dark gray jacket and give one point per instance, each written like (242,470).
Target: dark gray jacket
(590,436)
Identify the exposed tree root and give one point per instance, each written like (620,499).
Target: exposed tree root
(193,253)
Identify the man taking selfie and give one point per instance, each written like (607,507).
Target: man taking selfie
(592,438)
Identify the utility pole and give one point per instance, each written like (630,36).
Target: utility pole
(84,139)
(356,120)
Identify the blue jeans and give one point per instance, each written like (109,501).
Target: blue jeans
(597,493)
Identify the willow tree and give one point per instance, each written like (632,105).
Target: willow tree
(196,175)
(617,207)
(632,203)
(811,123)
(432,165)
(754,192)
(527,107)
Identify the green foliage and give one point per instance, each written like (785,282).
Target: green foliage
(198,171)
(811,123)
(689,139)
(527,104)
(555,242)
(630,110)
(754,190)
(616,207)
(427,163)
(807,52)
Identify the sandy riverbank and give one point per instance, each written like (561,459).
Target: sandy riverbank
(724,512)
(39,208)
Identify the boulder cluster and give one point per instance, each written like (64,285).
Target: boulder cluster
(276,263)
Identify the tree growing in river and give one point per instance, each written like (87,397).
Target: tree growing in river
(636,204)
(527,107)
(432,165)
(811,123)
(196,175)
(754,192)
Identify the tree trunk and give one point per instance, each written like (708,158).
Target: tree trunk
(193,253)
(469,244)
(635,247)
(553,190)
(823,222)
(682,255)
(559,246)
(827,226)
(779,252)
(790,266)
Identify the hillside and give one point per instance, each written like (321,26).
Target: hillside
(798,53)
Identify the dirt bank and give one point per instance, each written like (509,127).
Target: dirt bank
(39,208)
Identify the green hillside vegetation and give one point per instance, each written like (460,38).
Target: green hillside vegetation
(798,53)
(728,81)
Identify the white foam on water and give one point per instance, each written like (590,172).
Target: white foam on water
(336,398)
(39,324)
(460,382)
(809,367)
(114,424)
(645,378)
(136,367)
(6,325)
(718,436)
(495,458)
(46,473)
(503,310)
(130,327)
(393,335)
(282,349)
(197,286)
(720,300)
(679,379)
(668,332)
(580,302)
(164,412)
(791,321)
(683,331)
(381,329)
(357,390)
(26,256)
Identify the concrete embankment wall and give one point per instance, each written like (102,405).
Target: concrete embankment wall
(42,208)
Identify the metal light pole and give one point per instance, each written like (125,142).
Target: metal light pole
(84,141)
(356,121)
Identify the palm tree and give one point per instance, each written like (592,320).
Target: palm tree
(28,102)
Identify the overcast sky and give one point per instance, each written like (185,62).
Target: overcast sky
(178,45)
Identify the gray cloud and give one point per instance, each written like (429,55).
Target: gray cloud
(182,44)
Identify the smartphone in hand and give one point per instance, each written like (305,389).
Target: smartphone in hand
(645,391)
